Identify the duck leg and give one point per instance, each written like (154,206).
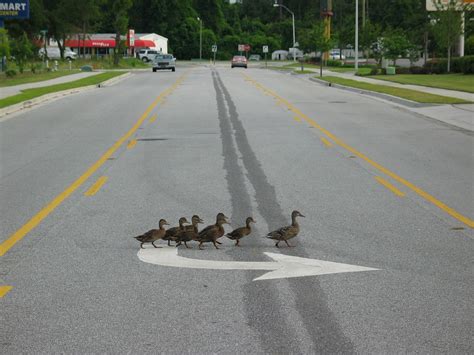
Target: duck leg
(153,243)
(237,243)
(277,244)
(177,244)
(218,242)
(289,246)
(187,245)
(214,242)
(141,246)
(200,244)
(169,242)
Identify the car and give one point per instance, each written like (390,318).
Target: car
(54,53)
(147,55)
(335,54)
(164,61)
(255,57)
(239,61)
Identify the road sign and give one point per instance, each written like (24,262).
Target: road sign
(283,266)
(15,9)
(265,49)
(241,47)
(214,48)
(247,47)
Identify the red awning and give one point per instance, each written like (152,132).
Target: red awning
(91,43)
(144,43)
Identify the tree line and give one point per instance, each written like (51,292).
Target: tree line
(405,23)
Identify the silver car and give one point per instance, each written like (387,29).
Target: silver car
(164,61)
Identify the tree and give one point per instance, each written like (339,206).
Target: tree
(321,42)
(119,10)
(368,36)
(4,47)
(447,26)
(396,44)
(22,49)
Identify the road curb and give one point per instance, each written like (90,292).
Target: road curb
(6,112)
(388,97)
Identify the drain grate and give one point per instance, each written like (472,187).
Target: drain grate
(337,102)
(457,228)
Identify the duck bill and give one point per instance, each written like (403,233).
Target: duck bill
(302,215)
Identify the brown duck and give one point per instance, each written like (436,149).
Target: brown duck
(288,232)
(241,232)
(213,232)
(172,233)
(190,232)
(153,235)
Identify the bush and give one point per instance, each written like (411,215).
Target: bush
(418,70)
(10,73)
(400,70)
(374,71)
(463,65)
(334,63)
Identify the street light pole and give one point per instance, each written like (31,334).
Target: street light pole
(276,4)
(200,39)
(356,64)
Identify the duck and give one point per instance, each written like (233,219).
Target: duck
(190,232)
(241,232)
(172,233)
(153,234)
(288,232)
(213,232)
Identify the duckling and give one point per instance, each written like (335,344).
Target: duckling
(153,235)
(241,232)
(288,232)
(213,232)
(190,232)
(171,233)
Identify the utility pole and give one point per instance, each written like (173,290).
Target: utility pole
(356,64)
(200,39)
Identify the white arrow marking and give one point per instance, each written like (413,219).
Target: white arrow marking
(284,266)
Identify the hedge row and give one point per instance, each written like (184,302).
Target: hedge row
(463,65)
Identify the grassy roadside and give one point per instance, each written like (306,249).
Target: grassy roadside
(460,82)
(29,94)
(29,77)
(408,94)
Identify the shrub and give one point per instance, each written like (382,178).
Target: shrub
(400,70)
(10,73)
(458,65)
(334,63)
(418,70)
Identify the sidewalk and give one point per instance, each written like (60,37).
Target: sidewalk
(435,91)
(14,90)
(461,116)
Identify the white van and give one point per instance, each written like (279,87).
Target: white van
(54,53)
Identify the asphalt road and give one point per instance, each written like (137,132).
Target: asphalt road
(227,140)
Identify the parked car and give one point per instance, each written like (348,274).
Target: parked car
(335,54)
(54,53)
(239,61)
(255,57)
(164,61)
(147,55)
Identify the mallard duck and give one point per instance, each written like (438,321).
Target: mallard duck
(288,232)
(173,232)
(190,232)
(213,232)
(241,232)
(153,235)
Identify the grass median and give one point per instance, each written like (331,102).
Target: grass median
(29,94)
(407,94)
(29,77)
(460,82)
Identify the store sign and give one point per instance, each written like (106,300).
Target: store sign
(131,38)
(15,9)
(460,5)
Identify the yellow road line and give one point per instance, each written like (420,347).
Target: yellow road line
(389,186)
(4,290)
(153,118)
(297,118)
(131,144)
(326,142)
(96,186)
(451,211)
(50,207)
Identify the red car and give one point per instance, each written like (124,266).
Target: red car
(239,61)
